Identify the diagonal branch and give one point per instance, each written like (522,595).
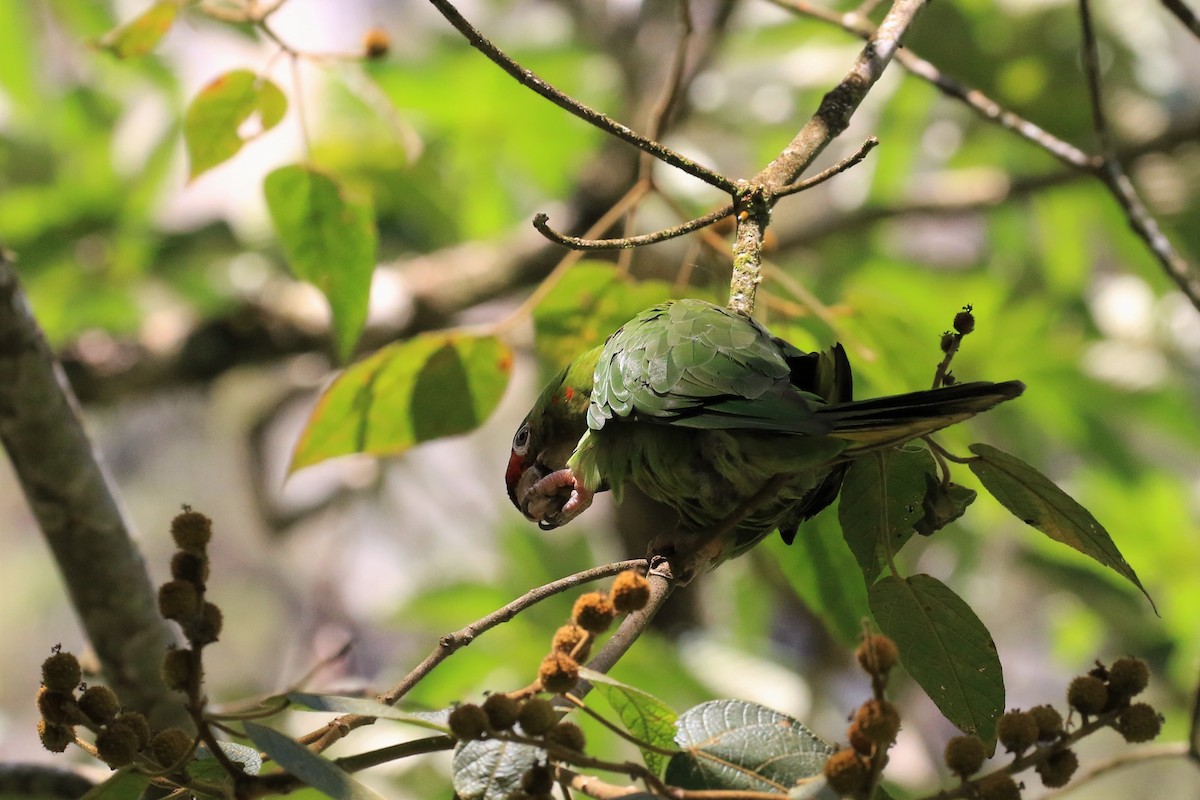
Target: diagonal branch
(74,501)
(1184,15)
(1178,268)
(605,123)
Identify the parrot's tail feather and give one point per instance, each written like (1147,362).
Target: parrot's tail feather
(887,421)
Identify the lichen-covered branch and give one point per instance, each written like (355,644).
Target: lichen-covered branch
(76,507)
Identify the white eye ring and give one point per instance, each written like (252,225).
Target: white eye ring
(520,444)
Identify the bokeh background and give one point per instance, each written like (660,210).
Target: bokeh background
(197,356)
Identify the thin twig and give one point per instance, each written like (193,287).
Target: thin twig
(605,123)
(1113,174)
(577,243)
(449,644)
(837,169)
(1184,14)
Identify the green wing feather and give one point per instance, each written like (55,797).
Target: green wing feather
(692,364)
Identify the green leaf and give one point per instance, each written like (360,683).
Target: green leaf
(437,720)
(644,716)
(142,33)
(945,648)
(731,744)
(491,769)
(824,574)
(881,501)
(1035,500)
(124,784)
(316,771)
(433,385)
(329,241)
(214,122)
(590,302)
(943,504)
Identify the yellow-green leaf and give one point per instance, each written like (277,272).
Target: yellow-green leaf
(215,125)
(330,242)
(434,385)
(142,33)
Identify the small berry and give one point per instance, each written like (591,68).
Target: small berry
(99,704)
(859,741)
(630,591)
(191,531)
(537,716)
(964,321)
(877,654)
(61,673)
(1017,731)
(134,721)
(568,637)
(964,755)
(468,721)
(567,734)
(170,746)
(846,772)
(1139,723)
(1087,694)
(55,738)
(116,745)
(501,711)
(57,708)
(1057,769)
(376,43)
(1128,676)
(177,600)
(177,669)
(189,567)
(593,612)
(208,628)
(1049,722)
(558,673)
(879,721)
(998,786)
(948,340)
(538,780)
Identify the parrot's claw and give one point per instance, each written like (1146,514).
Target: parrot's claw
(556,499)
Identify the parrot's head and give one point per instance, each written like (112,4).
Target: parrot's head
(547,438)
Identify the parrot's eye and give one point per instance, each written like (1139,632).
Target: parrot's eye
(521,440)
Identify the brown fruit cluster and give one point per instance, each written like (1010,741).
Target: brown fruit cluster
(964,755)
(1017,731)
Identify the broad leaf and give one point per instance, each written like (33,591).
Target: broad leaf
(647,718)
(433,385)
(124,784)
(881,500)
(329,241)
(314,770)
(1035,500)
(586,305)
(491,769)
(214,127)
(437,720)
(731,744)
(945,648)
(142,33)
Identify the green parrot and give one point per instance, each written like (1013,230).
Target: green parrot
(737,431)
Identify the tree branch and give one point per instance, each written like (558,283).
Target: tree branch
(1183,14)
(75,503)
(1113,174)
(605,123)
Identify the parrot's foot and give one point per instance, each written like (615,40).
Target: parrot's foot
(556,499)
